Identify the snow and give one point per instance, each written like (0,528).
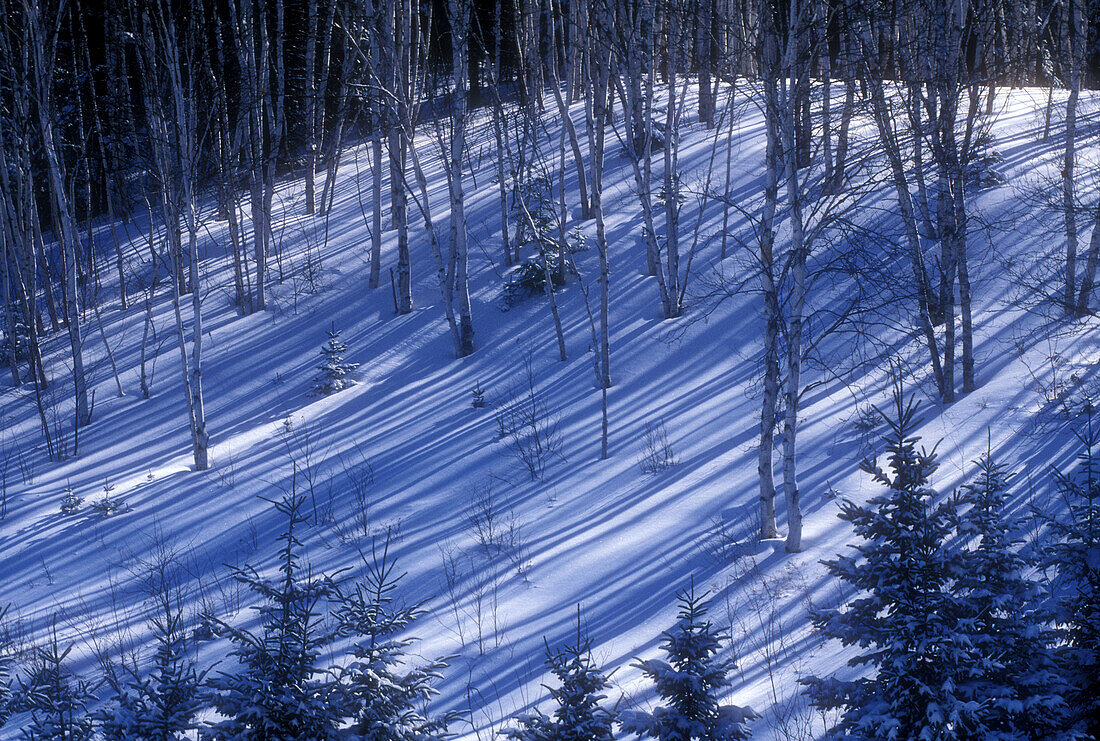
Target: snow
(599,534)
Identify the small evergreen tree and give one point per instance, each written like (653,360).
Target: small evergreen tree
(904,618)
(537,229)
(56,699)
(277,693)
(1016,678)
(17,344)
(163,705)
(6,662)
(382,695)
(578,715)
(334,369)
(690,682)
(70,502)
(1075,555)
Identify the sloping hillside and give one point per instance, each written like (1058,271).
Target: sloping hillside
(407,451)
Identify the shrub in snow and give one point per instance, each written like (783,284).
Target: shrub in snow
(163,705)
(657,137)
(1075,555)
(657,453)
(918,650)
(334,370)
(690,680)
(1016,676)
(380,690)
(985,167)
(278,691)
(56,700)
(578,714)
(527,425)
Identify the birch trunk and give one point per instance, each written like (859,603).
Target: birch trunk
(499,132)
(768,288)
(890,141)
(377,134)
(42,45)
(6,296)
(460,12)
(797,99)
(8,259)
(597,136)
(310,100)
(400,142)
(672,175)
(1089,277)
(1076,37)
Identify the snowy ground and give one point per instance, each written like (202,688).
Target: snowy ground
(599,534)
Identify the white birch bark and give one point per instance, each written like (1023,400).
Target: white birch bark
(768,287)
(797,97)
(1076,40)
(42,44)
(459,11)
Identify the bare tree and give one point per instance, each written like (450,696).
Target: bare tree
(1075,35)
(599,72)
(172,100)
(42,41)
(459,16)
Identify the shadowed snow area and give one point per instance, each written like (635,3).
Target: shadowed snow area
(404,450)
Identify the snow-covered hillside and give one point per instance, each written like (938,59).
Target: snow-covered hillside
(406,450)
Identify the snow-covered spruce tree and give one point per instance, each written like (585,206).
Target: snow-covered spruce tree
(6,662)
(14,345)
(1016,677)
(1075,555)
(539,229)
(904,618)
(690,682)
(578,715)
(333,369)
(163,705)
(379,690)
(278,692)
(56,699)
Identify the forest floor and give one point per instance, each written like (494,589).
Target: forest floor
(404,450)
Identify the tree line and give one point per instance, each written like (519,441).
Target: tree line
(168,109)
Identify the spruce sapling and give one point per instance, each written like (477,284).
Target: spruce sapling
(162,706)
(334,370)
(690,680)
(1075,555)
(70,502)
(382,694)
(56,699)
(278,691)
(578,714)
(1016,678)
(905,617)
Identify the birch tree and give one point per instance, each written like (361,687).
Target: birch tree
(598,82)
(769,288)
(172,100)
(42,41)
(459,16)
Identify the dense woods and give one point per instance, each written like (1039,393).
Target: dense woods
(167,109)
